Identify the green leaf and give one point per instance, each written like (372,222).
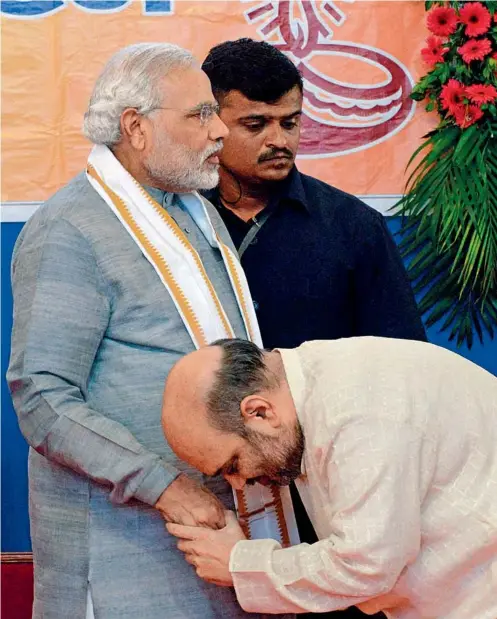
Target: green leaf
(466,142)
(491,6)
(475,319)
(418,95)
(440,309)
(451,316)
(444,73)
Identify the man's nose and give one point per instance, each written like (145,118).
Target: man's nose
(276,137)
(235,481)
(217,129)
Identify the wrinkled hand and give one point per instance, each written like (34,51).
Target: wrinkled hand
(187,502)
(209,551)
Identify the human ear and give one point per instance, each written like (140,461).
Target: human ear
(133,127)
(258,411)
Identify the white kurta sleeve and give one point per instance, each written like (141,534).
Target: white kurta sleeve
(371,477)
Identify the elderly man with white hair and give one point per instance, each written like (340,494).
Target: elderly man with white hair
(121,272)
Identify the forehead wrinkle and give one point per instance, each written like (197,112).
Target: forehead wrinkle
(186,83)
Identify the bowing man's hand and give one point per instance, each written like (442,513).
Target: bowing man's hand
(209,550)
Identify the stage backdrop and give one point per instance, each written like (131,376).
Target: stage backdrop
(358,58)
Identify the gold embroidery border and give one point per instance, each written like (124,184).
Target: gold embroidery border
(178,233)
(244,515)
(280,517)
(164,269)
(230,261)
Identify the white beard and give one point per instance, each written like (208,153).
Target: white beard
(180,169)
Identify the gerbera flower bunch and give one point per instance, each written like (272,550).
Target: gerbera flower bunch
(449,209)
(461,53)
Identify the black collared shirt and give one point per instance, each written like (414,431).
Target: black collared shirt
(323,266)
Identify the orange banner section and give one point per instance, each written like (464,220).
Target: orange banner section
(358,58)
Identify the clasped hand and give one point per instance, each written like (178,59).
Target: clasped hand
(209,550)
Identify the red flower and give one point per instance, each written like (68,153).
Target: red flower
(475,49)
(467,115)
(481,93)
(442,21)
(476,17)
(434,52)
(452,96)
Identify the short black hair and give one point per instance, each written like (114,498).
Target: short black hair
(255,68)
(242,372)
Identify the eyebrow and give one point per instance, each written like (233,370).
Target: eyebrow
(225,466)
(212,104)
(264,116)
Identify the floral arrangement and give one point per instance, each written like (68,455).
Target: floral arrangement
(449,230)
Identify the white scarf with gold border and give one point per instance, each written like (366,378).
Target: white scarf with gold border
(263,512)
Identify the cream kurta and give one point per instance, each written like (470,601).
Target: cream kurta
(400,482)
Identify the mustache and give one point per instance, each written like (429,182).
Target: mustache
(214,149)
(274,153)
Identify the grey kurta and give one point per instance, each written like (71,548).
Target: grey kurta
(95,334)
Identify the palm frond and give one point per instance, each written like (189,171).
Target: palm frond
(449,231)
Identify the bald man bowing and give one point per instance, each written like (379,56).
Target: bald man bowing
(392,446)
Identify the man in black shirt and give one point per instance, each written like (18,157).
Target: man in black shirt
(320,263)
